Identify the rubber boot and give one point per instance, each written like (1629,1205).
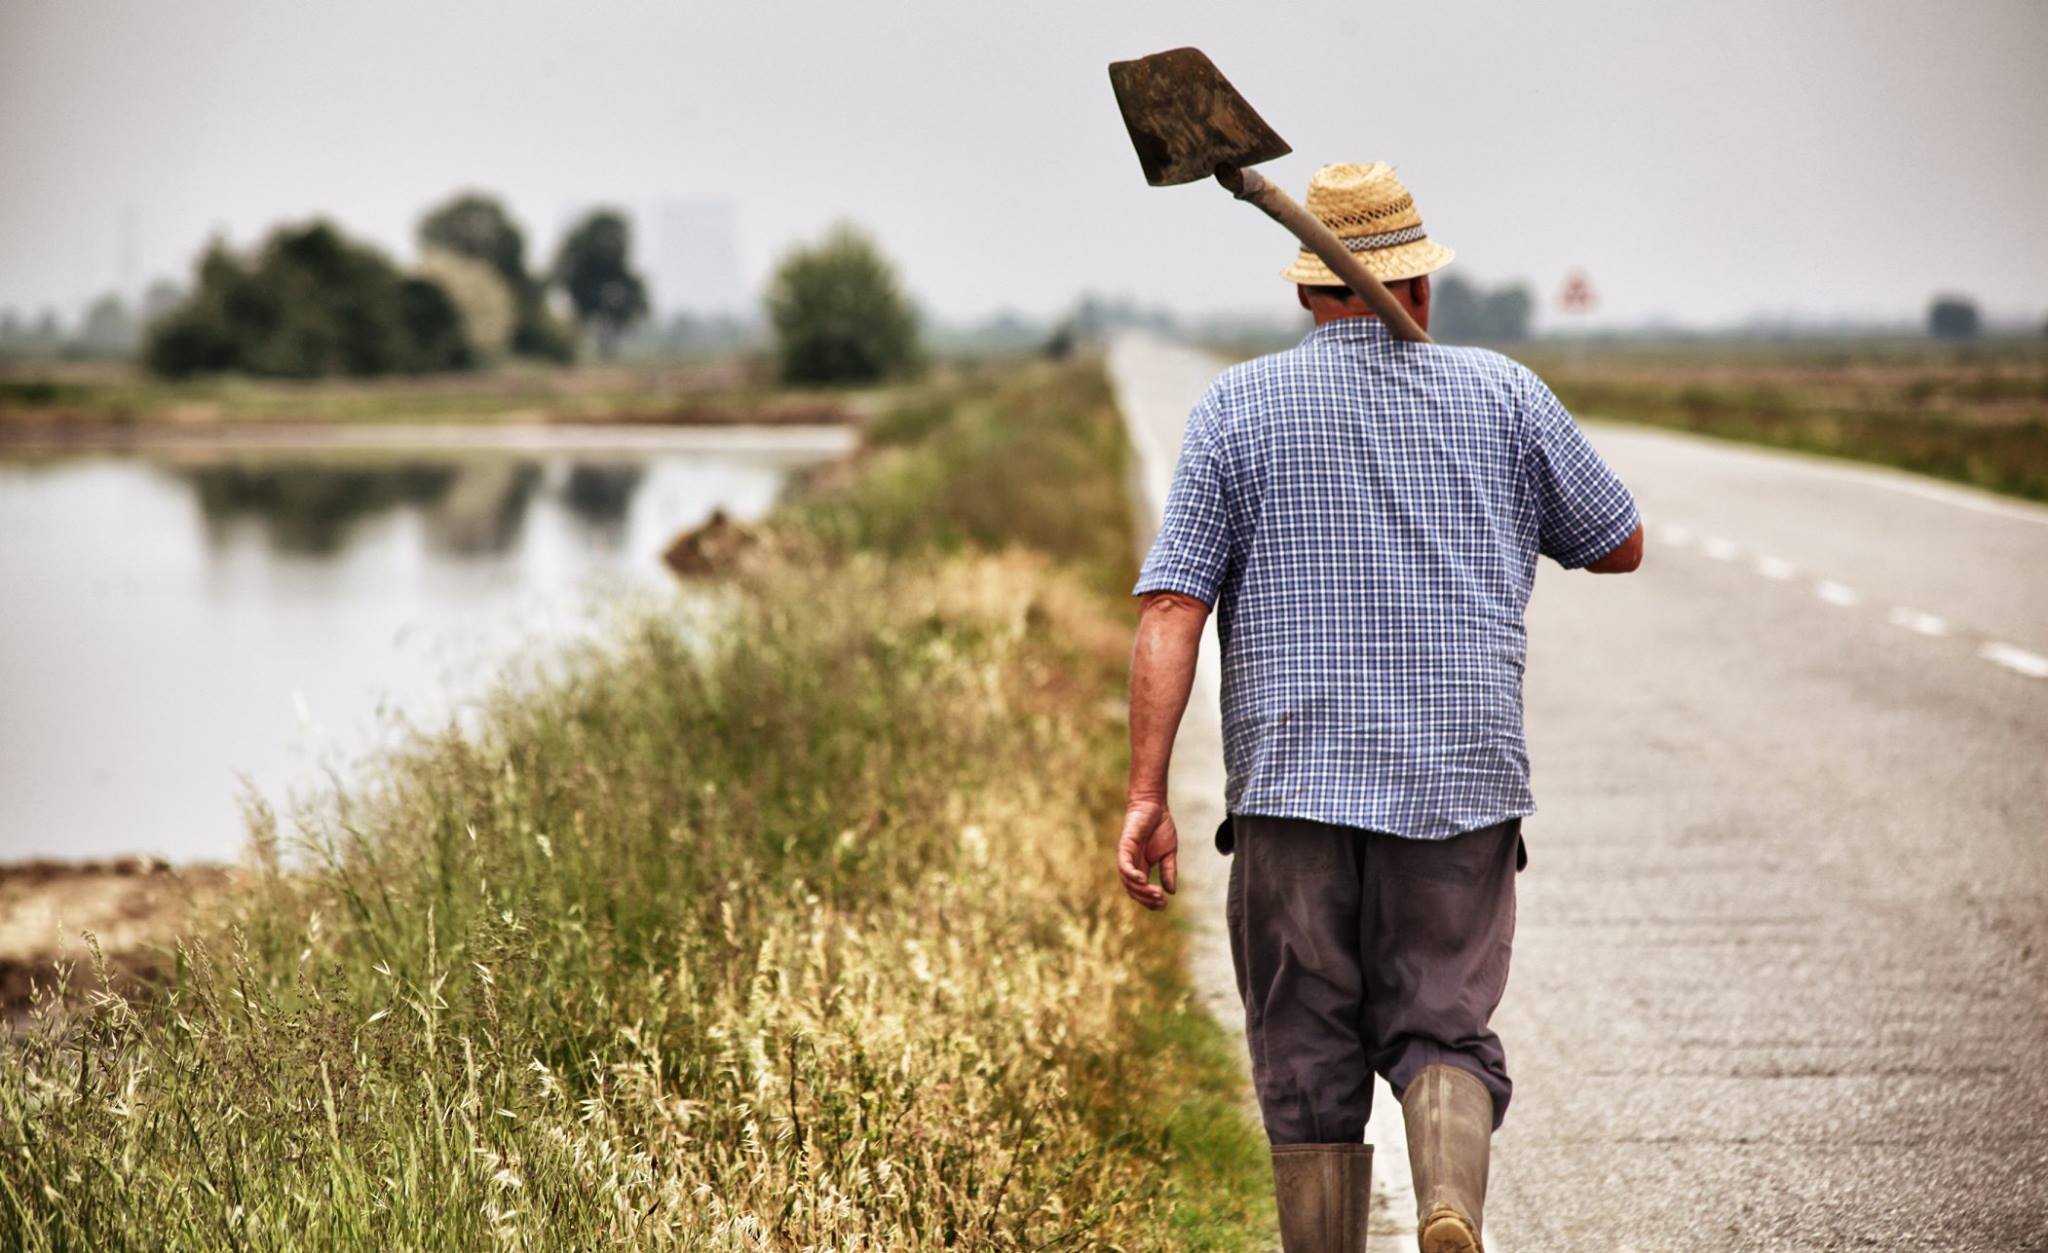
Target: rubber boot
(1450,1127)
(1324,1192)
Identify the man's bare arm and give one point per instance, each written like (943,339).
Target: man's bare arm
(1625,558)
(1162,674)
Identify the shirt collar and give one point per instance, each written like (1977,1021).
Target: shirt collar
(1350,331)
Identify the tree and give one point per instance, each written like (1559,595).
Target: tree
(489,312)
(838,314)
(1952,317)
(162,296)
(1453,309)
(476,226)
(595,267)
(310,303)
(108,329)
(1460,312)
(200,335)
(1507,311)
(434,327)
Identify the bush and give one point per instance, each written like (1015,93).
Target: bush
(312,303)
(1953,317)
(839,316)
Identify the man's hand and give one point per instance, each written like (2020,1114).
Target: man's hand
(1149,840)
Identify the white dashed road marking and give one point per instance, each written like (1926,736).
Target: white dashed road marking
(1840,595)
(2033,665)
(1914,620)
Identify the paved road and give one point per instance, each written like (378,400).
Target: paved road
(1781,976)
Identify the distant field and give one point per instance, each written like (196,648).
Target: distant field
(87,395)
(1972,414)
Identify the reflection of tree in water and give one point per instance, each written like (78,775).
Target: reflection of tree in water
(482,513)
(599,494)
(307,508)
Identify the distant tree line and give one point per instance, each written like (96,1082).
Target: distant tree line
(1460,312)
(309,301)
(110,327)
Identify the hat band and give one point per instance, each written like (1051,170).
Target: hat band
(1385,239)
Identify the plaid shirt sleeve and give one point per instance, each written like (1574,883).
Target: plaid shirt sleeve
(1583,512)
(1193,545)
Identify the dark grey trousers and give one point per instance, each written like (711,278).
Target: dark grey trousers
(1359,952)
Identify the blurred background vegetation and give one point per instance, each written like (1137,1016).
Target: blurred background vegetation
(1955,397)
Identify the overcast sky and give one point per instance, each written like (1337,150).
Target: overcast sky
(1703,161)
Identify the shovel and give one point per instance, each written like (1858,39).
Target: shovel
(1188,123)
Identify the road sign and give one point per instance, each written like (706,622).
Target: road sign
(1577,296)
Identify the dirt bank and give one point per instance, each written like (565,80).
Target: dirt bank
(132,906)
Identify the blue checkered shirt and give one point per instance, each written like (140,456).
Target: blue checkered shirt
(1365,515)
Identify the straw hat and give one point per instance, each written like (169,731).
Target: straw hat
(1367,208)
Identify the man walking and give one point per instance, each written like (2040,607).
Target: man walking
(1364,516)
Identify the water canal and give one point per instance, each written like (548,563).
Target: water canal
(182,620)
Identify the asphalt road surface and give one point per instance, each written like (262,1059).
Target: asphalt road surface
(1781,973)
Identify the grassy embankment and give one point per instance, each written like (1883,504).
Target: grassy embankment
(786,922)
(58,397)
(1975,414)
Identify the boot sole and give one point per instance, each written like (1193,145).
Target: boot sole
(1448,1233)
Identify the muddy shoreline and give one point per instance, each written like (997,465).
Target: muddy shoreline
(134,907)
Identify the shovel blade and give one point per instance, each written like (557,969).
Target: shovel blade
(1185,118)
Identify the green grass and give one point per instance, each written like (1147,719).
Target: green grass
(1222,1187)
(89,395)
(783,920)
(1036,465)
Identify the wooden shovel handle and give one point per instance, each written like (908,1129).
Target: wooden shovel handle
(1317,238)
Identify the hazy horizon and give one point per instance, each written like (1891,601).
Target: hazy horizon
(1707,166)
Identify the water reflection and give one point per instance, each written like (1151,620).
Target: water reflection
(305,507)
(472,508)
(599,494)
(173,622)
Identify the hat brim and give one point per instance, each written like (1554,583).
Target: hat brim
(1388,265)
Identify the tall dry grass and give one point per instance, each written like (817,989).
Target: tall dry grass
(785,923)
